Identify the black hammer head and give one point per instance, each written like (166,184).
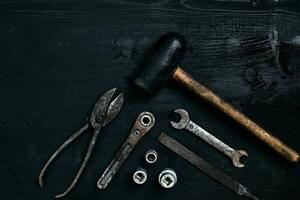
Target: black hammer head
(161,62)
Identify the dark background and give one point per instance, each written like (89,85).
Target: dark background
(58,57)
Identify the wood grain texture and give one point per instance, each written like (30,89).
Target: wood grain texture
(57,57)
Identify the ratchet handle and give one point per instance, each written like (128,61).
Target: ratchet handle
(142,125)
(114,165)
(119,158)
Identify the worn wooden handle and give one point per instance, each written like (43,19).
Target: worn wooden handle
(186,80)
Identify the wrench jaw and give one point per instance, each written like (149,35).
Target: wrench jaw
(184,119)
(236,157)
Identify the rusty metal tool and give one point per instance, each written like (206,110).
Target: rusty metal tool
(102,114)
(186,123)
(161,64)
(204,166)
(144,122)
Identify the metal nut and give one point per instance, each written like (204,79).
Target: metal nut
(167,178)
(146,120)
(151,156)
(140,176)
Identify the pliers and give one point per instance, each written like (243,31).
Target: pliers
(103,113)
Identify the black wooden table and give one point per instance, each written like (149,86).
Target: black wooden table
(57,57)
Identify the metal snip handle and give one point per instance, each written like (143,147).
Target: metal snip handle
(142,125)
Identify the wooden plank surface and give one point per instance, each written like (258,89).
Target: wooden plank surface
(58,57)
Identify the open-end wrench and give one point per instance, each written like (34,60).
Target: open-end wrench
(142,125)
(186,123)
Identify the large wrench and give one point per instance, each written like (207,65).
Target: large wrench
(186,123)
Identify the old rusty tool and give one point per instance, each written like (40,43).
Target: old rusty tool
(144,122)
(186,123)
(204,166)
(102,114)
(161,64)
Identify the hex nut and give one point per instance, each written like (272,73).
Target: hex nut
(146,120)
(151,156)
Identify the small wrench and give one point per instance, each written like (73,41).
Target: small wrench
(186,123)
(144,122)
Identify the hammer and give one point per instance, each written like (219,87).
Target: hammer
(161,64)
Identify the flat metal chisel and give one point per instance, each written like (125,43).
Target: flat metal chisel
(204,166)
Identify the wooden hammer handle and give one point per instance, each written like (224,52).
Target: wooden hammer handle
(186,80)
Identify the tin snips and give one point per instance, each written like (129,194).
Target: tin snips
(104,111)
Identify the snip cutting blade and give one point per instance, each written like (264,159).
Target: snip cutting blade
(114,108)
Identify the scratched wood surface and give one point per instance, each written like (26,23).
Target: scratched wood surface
(57,57)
